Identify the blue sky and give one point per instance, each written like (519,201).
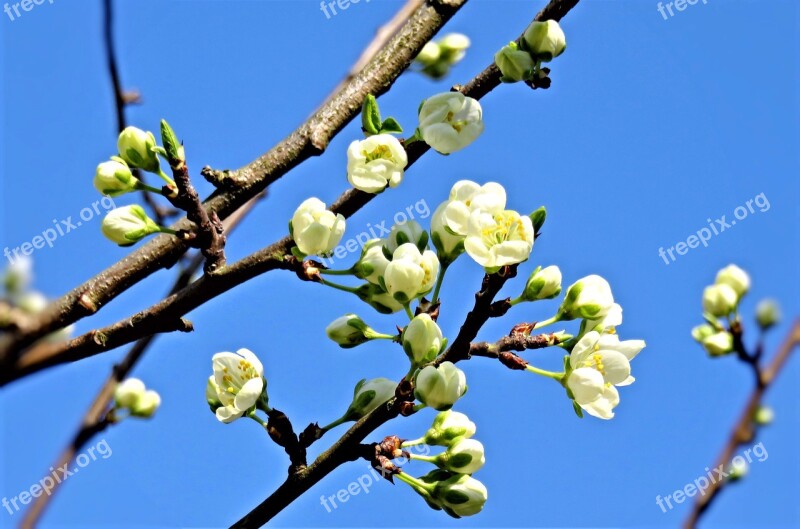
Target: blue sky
(651,127)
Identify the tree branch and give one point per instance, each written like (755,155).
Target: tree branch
(165,316)
(743,431)
(94,420)
(310,139)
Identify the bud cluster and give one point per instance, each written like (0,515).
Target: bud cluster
(521,61)
(451,486)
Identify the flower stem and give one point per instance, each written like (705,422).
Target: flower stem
(413,442)
(334,424)
(545,373)
(258,419)
(330,272)
(427,459)
(418,485)
(408,311)
(516,300)
(169,231)
(549,321)
(337,286)
(141,186)
(439,281)
(166,178)
(411,371)
(420,406)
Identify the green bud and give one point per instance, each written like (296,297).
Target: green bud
(515,64)
(136,148)
(543,284)
(768,313)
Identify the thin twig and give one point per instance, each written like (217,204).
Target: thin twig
(743,431)
(122,99)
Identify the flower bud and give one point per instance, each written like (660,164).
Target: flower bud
(127,225)
(114,178)
(136,148)
(410,273)
(545,40)
(452,47)
(737,469)
(440,387)
(404,233)
(464,456)
(18,275)
(515,64)
(128,392)
(429,54)
(589,298)
(719,300)
(460,495)
(378,299)
(422,339)
(734,277)
(450,121)
(763,416)
(315,230)
(372,263)
(543,284)
(448,426)
(146,405)
(32,302)
(368,395)
(718,344)
(768,313)
(349,331)
(132,396)
(701,332)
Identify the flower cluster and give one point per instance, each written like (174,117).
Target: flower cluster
(521,61)
(137,150)
(132,396)
(437,57)
(721,306)
(451,486)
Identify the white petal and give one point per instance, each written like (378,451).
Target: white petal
(227,415)
(249,394)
